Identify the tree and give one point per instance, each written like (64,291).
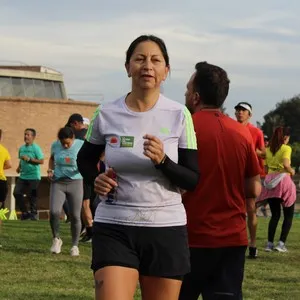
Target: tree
(296,155)
(286,113)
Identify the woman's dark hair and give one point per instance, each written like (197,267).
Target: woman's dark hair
(277,139)
(65,133)
(0,134)
(144,38)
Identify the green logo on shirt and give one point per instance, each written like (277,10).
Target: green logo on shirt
(164,130)
(127,142)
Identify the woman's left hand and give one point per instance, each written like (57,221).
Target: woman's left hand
(153,148)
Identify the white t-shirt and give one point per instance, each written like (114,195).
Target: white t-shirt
(144,196)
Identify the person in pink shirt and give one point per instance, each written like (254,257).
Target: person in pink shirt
(279,188)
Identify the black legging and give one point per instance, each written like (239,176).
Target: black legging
(288,212)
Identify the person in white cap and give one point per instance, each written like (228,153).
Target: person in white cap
(79,124)
(86,122)
(76,122)
(243,113)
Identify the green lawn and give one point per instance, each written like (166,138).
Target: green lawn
(29,271)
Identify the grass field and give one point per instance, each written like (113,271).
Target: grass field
(29,271)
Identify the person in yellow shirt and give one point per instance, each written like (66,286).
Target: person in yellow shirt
(279,188)
(5,163)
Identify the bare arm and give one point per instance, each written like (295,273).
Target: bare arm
(18,170)
(252,191)
(251,220)
(50,167)
(252,187)
(36,161)
(7,164)
(261,153)
(287,166)
(51,163)
(31,160)
(266,169)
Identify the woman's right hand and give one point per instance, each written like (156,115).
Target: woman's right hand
(50,174)
(292,172)
(104,183)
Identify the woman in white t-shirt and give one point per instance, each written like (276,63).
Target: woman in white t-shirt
(150,153)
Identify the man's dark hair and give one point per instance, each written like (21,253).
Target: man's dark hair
(33,131)
(74,118)
(0,134)
(211,83)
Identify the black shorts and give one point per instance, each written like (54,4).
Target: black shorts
(216,273)
(3,190)
(88,191)
(153,251)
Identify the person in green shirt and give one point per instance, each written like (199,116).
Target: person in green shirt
(31,157)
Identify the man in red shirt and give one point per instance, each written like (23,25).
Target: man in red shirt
(216,209)
(243,113)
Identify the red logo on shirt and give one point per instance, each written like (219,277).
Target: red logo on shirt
(67,160)
(113,140)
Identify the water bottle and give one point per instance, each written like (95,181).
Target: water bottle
(111,196)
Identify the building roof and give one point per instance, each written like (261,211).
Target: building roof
(40,69)
(33,72)
(31,81)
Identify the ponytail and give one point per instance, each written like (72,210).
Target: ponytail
(277,139)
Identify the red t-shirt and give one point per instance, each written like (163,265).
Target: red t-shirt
(259,143)
(216,209)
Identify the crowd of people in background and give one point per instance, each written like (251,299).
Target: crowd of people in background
(175,186)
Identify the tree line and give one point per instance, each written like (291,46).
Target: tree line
(286,113)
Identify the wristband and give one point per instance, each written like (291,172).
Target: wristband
(158,166)
(49,171)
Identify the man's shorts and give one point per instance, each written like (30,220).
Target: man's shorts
(3,190)
(216,273)
(153,251)
(87,191)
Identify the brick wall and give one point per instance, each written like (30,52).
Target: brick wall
(44,115)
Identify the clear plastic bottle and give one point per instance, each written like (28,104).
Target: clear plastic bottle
(111,196)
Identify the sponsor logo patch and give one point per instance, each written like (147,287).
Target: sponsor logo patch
(127,141)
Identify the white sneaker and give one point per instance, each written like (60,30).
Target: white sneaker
(281,247)
(269,247)
(56,245)
(74,251)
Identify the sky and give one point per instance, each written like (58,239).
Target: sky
(256,42)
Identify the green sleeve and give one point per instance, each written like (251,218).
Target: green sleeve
(38,152)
